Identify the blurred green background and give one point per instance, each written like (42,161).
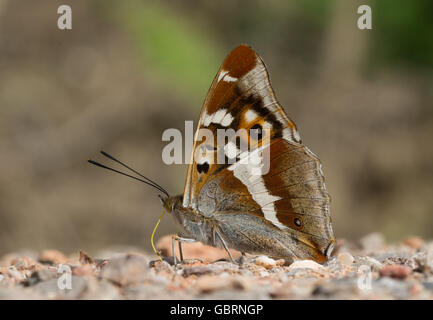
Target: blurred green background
(128,70)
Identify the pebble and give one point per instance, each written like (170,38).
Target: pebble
(41,275)
(84,270)
(306,264)
(22,263)
(13,273)
(263,274)
(393,287)
(346,259)
(212,283)
(126,270)
(194,250)
(265,262)
(374,264)
(198,271)
(372,242)
(413,242)
(395,271)
(429,258)
(406,261)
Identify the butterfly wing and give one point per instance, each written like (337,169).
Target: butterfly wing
(240,91)
(263,170)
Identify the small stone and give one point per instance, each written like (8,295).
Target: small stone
(264,274)
(370,262)
(405,260)
(212,283)
(101,290)
(161,266)
(198,271)
(413,242)
(13,273)
(24,263)
(372,242)
(333,265)
(194,250)
(7,259)
(395,271)
(416,289)
(51,290)
(346,258)
(428,285)
(41,275)
(420,261)
(306,264)
(83,270)
(429,257)
(53,257)
(394,287)
(265,262)
(126,269)
(295,289)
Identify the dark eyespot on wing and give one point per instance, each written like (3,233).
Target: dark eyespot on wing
(203,168)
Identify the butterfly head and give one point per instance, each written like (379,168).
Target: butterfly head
(170,203)
(167,202)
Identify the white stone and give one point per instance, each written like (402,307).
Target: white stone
(306,264)
(373,242)
(265,262)
(346,258)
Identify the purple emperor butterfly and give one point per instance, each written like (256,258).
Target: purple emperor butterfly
(283,211)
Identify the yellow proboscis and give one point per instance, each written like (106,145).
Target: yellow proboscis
(153,233)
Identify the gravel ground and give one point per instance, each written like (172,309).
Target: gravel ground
(367,269)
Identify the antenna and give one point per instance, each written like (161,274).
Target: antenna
(146,180)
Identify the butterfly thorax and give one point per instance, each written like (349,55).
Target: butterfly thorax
(192,223)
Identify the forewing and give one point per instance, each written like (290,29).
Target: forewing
(240,97)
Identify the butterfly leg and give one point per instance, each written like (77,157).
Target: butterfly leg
(179,239)
(225,246)
(173,247)
(180,250)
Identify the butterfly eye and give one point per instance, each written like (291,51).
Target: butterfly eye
(256,132)
(298,222)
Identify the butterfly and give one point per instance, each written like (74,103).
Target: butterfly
(259,192)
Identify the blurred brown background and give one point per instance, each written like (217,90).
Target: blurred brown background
(128,70)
